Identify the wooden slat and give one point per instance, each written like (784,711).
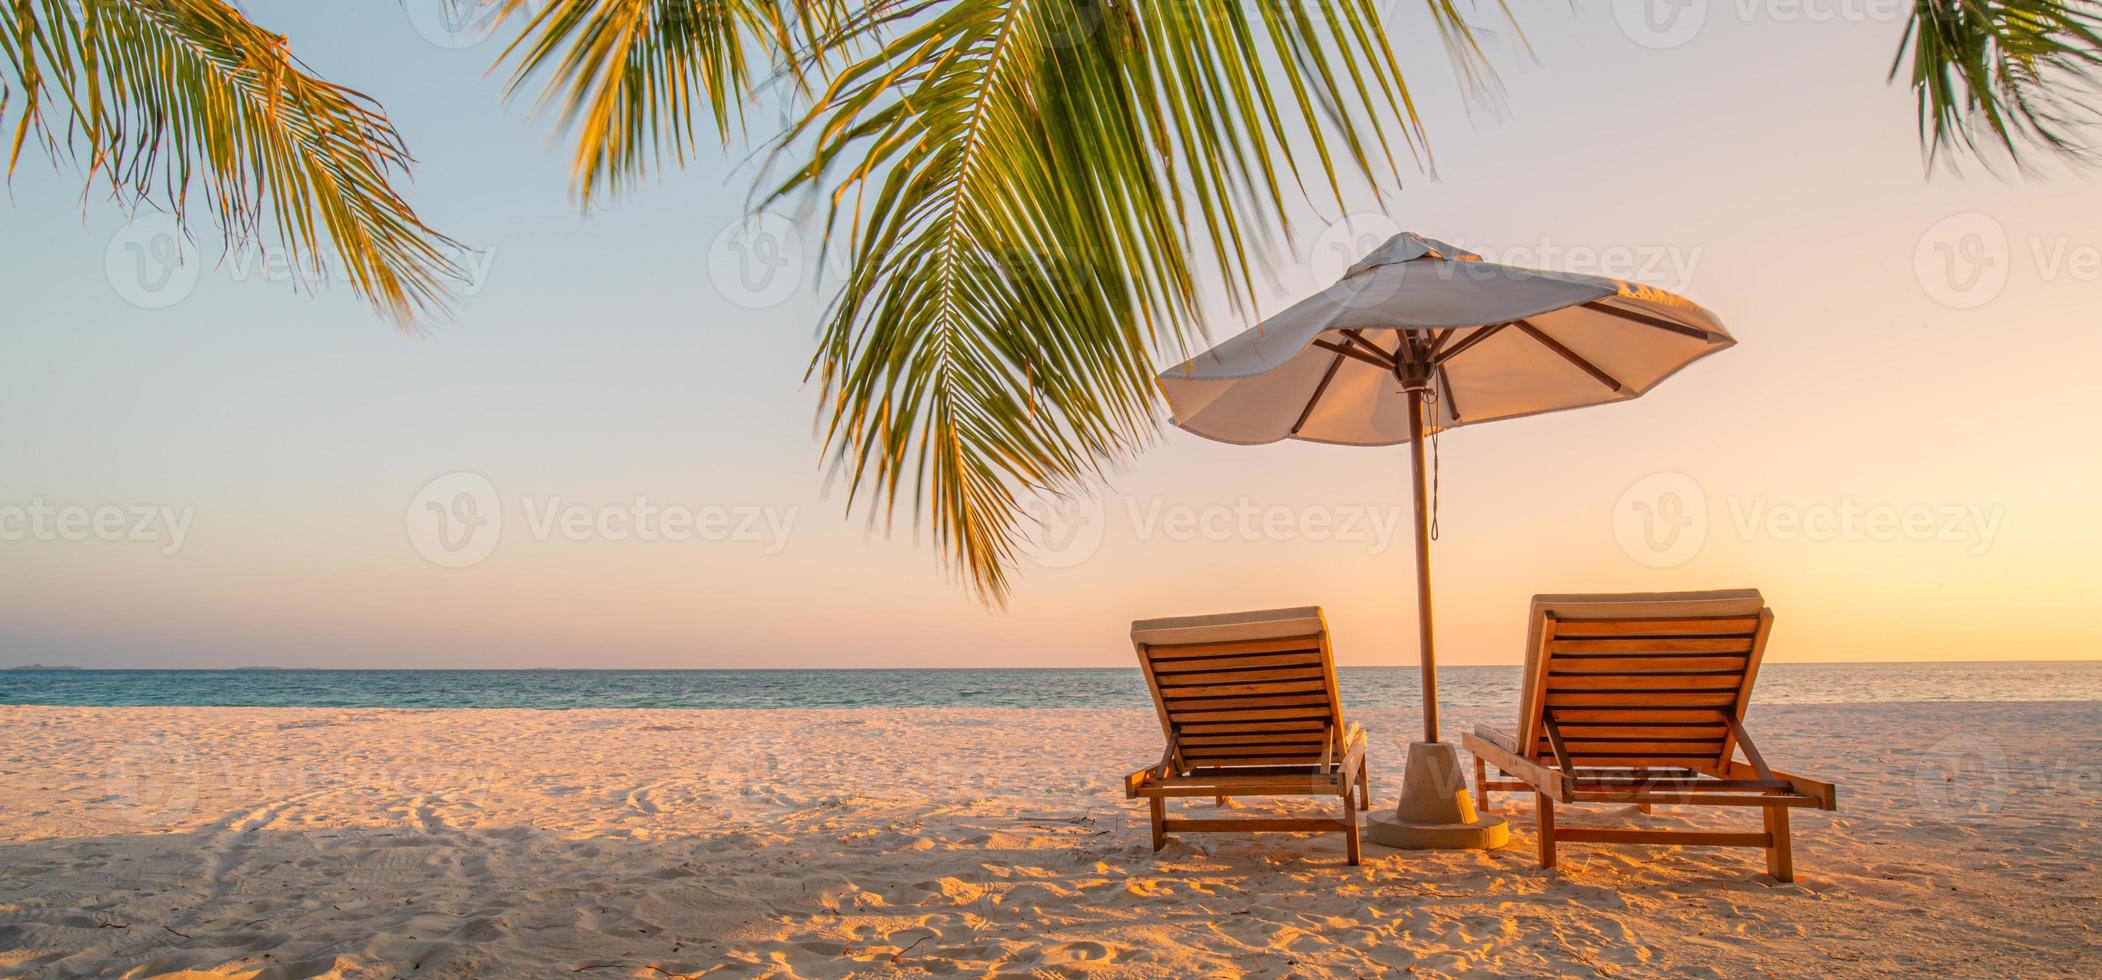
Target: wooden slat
(1314,738)
(1588,730)
(1315,725)
(1648,772)
(1702,763)
(1251,714)
(1628,715)
(1273,701)
(1167,668)
(1184,651)
(1687,644)
(1315,686)
(1696,799)
(1648,682)
(1645,664)
(1313,747)
(1656,627)
(1253,760)
(1229,786)
(1174,683)
(1586,782)
(1702,838)
(1580,748)
(1650,699)
(1299,770)
(1252,755)
(1256,825)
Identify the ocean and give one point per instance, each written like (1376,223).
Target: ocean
(1779,683)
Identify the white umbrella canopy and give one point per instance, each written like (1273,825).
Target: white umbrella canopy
(1420,336)
(1491,341)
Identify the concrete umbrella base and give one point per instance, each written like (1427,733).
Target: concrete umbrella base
(1436,812)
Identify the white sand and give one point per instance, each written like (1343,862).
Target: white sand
(299,843)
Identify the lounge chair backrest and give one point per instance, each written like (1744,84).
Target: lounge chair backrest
(1642,680)
(1242,689)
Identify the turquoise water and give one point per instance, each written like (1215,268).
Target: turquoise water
(1100,688)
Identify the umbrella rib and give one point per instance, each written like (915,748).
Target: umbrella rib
(1319,389)
(1360,340)
(1348,351)
(1571,356)
(1452,405)
(1650,321)
(1472,339)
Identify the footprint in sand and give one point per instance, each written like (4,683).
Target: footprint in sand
(1078,953)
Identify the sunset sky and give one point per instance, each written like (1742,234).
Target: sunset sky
(1899,452)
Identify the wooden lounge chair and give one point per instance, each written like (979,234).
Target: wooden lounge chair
(1640,698)
(1248,704)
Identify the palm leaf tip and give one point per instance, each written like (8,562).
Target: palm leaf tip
(157,98)
(627,79)
(2005,77)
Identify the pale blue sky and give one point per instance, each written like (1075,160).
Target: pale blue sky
(1763,167)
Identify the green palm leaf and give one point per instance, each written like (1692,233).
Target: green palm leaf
(2006,74)
(159,98)
(1029,189)
(628,77)
(1023,185)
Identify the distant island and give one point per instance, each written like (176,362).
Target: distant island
(41,667)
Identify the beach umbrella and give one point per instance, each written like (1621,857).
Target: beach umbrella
(1419,337)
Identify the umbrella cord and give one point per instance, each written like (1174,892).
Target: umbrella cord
(1430,400)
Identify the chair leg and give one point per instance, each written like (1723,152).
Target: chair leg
(1481,785)
(1364,786)
(1160,822)
(1350,830)
(1644,809)
(1544,808)
(1780,862)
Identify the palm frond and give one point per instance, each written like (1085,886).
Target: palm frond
(160,97)
(627,78)
(1025,186)
(2005,75)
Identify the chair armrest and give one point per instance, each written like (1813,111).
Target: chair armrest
(1162,769)
(1824,793)
(1556,784)
(1497,737)
(1353,757)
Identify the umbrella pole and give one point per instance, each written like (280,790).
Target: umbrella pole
(1423,569)
(1435,810)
